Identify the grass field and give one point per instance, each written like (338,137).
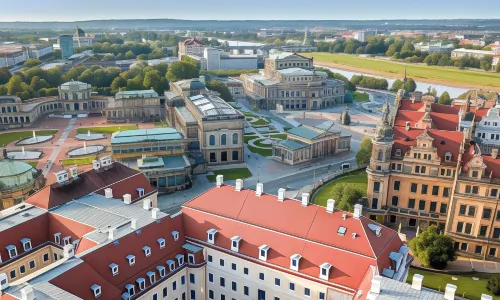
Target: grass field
(357,178)
(393,69)
(263,152)
(361,97)
(259,143)
(161,124)
(231,174)
(260,122)
(249,114)
(107,129)
(6,138)
(466,286)
(32,163)
(280,136)
(248,138)
(87,160)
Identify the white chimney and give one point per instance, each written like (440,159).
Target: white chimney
(494,153)
(133,223)
(108,193)
(449,292)
(305,199)
(112,234)
(61,176)
(358,210)
(146,203)
(407,126)
(27,293)
(96,164)
(486,297)
(127,199)
(416,283)
(281,194)
(376,284)
(74,172)
(69,251)
(239,184)
(259,190)
(219,180)
(330,206)
(344,216)
(155,213)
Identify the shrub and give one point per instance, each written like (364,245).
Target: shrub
(493,284)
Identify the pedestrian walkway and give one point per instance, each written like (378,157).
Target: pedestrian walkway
(57,148)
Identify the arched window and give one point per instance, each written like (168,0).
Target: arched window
(223,139)
(379,156)
(212,140)
(297,94)
(235,138)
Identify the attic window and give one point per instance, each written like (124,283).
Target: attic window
(294,262)
(211,235)
(67,240)
(152,277)
(191,259)
(407,139)
(263,252)
(443,142)
(341,231)
(161,271)
(130,289)
(180,259)
(57,238)
(324,272)
(97,290)
(398,152)
(140,191)
(12,250)
(447,156)
(171,265)
(147,251)
(235,243)
(175,234)
(161,242)
(26,244)
(131,259)
(114,268)
(141,282)
(377,230)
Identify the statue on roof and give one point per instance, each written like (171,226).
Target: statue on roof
(384,131)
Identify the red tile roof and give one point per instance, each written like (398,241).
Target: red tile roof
(88,182)
(407,104)
(480,113)
(492,165)
(443,117)
(288,228)
(444,109)
(192,41)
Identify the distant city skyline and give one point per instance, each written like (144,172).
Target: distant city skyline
(64,11)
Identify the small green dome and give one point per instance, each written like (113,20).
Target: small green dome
(9,168)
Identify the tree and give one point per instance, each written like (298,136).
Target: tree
(152,79)
(108,57)
(14,85)
(3,90)
(346,196)
(493,284)
(5,75)
(118,83)
(135,83)
(365,151)
(129,55)
(410,85)
(444,98)
(223,90)
(162,68)
(181,70)
(434,92)
(397,85)
(29,63)
(433,249)
(485,62)
(37,83)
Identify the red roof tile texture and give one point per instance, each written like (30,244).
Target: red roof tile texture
(193,41)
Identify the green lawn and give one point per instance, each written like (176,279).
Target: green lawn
(231,174)
(248,138)
(249,114)
(472,289)
(259,143)
(158,124)
(357,178)
(107,129)
(9,137)
(32,163)
(361,97)
(394,69)
(263,152)
(259,122)
(87,160)
(280,136)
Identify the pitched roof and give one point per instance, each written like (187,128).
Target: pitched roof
(88,182)
(265,220)
(305,132)
(193,41)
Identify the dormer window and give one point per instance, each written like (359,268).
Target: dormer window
(141,282)
(171,265)
(161,242)
(294,262)
(97,290)
(147,251)
(235,243)
(211,236)
(152,277)
(140,191)
(12,250)
(130,289)
(57,238)
(191,259)
(161,271)
(324,271)
(263,252)
(26,244)
(175,234)
(67,240)
(114,268)
(447,156)
(131,259)
(398,152)
(180,259)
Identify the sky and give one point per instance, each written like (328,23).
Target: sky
(80,10)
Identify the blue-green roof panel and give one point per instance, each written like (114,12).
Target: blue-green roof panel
(304,132)
(293,145)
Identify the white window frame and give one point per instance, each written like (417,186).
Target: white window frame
(161,242)
(161,271)
(97,290)
(295,259)
(147,251)
(67,240)
(152,277)
(171,265)
(26,244)
(175,234)
(130,289)
(114,269)
(34,264)
(131,259)
(264,248)
(211,236)
(324,267)
(57,238)
(11,248)
(20,271)
(140,191)
(141,282)
(235,243)
(191,259)
(180,259)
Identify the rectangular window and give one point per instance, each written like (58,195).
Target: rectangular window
(468,228)
(174,285)
(444,208)
(209,258)
(487,213)
(292,286)
(446,192)
(494,192)
(467,189)
(413,187)
(193,295)
(483,230)
(221,262)
(45,257)
(421,205)
(222,281)
(433,206)
(435,190)
(234,286)
(462,209)
(210,294)
(478,250)
(395,200)
(475,190)
(245,290)
(376,187)
(460,227)
(164,293)
(210,277)
(245,271)
(464,246)
(261,276)
(277,281)
(191,278)
(396,185)
(424,189)
(233,266)
(496,233)
(472,211)
(307,292)
(183,280)
(321,296)
(411,203)
(493,252)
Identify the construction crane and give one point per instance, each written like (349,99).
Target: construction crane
(78,36)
